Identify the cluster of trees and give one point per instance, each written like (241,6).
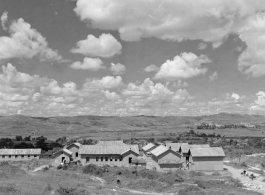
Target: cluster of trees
(226,126)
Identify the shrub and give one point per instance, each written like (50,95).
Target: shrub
(244,164)
(216,173)
(60,166)
(70,191)
(196,173)
(191,190)
(170,178)
(45,169)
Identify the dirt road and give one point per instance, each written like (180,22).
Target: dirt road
(255,185)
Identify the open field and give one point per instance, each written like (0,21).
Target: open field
(98,127)
(18,179)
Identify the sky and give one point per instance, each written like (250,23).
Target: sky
(132,57)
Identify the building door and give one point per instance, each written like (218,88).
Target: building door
(187,159)
(130,160)
(63,159)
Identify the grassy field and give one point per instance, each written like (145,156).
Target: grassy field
(17,179)
(98,127)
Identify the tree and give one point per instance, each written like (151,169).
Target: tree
(23,145)
(19,138)
(28,138)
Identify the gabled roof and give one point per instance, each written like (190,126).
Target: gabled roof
(130,150)
(176,146)
(20,151)
(148,146)
(107,149)
(111,143)
(207,152)
(76,144)
(185,148)
(159,150)
(65,151)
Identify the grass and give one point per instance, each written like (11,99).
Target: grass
(75,180)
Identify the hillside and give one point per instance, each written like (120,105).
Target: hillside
(88,125)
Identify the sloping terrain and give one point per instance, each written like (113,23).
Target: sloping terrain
(86,125)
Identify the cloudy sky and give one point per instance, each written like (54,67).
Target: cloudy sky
(133,57)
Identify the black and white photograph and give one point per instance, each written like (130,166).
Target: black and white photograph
(132,97)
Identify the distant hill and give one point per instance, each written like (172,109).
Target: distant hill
(58,126)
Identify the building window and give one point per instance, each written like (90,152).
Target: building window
(76,154)
(116,159)
(29,156)
(22,156)
(15,156)
(9,156)
(3,156)
(87,159)
(106,159)
(35,156)
(101,158)
(120,158)
(96,158)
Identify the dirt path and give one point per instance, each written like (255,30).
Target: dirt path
(39,168)
(255,185)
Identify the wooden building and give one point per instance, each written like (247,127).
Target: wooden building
(74,148)
(206,159)
(19,154)
(147,148)
(113,153)
(165,159)
(62,156)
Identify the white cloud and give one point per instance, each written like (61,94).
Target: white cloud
(4,18)
(261,98)
(106,82)
(53,88)
(252,60)
(214,76)
(105,46)
(235,96)
(24,42)
(93,64)
(170,19)
(151,68)
(117,69)
(186,65)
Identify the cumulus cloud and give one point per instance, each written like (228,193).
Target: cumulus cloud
(105,46)
(117,69)
(252,60)
(235,96)
(171,20)
(186,65)
(106,82)
(24,42)
(261,98)
(151,68)
(4,18)
(214,76)
(93,64)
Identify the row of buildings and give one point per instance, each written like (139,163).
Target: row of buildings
(162,157)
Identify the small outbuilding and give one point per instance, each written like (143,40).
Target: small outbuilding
(62,156)
(74,148)
(206,159)
(165,159)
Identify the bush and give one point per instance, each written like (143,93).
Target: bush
(191,190)
(95,170)
(60,166)
(244,164)
(216,173)
(170,179)
(70,191)
(204,184)
(196,173)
